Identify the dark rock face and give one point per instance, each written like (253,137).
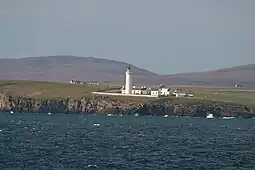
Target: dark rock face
(105,105)
(196,110)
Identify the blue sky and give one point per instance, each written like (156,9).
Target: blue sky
(164,36)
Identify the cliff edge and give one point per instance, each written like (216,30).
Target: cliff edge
(105,105)
(43,97)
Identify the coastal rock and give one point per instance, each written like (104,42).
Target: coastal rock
(105,105)
(4,103)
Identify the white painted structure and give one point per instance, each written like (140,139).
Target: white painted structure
(190,95)
(155,93)
(141,90)
(128,87)
(164,91)
(136,91)
(180,94)
(123,91)
(119,94)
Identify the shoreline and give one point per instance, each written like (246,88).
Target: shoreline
(115,115)
(107,105)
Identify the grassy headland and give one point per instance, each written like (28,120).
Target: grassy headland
(44,97)
(243,96)
(51,90)
(43,90)
(47,90)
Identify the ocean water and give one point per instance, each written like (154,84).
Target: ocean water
(41,141)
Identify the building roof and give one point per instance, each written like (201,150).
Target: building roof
(162,86)
(139,88)
(93,81)
(135,88)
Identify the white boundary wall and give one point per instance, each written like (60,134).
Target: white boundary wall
(120,94)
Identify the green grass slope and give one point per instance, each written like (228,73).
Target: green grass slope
(52,90)
(47,90)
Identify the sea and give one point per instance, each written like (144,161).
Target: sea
(77,141)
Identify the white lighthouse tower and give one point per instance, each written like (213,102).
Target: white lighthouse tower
(128,87)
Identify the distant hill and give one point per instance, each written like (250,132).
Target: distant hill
(65,68)
(244,74)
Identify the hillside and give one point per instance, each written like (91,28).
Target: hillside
(65,68)
(244,74)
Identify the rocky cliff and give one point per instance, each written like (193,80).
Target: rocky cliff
(105,105)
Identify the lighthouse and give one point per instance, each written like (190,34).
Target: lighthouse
(128,87)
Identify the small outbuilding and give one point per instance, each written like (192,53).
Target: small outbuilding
(155,92)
